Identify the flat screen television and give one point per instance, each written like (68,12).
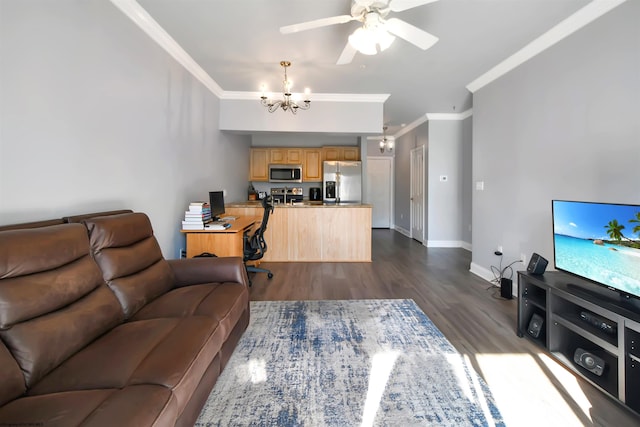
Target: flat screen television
(216,202)
(599,242)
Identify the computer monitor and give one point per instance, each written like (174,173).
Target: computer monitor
(216,201)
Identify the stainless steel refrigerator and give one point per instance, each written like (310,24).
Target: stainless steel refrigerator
(342,182)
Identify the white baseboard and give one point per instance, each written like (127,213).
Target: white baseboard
(402,230)
(488,276)
(481,272)
(446,244)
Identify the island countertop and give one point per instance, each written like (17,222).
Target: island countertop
(303,204)
(313,231)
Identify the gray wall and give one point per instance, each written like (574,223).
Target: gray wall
(448,149)
(402,170)
(466,184)
(95,116)
(563,125)
(447,221)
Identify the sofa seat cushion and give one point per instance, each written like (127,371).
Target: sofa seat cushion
(137,405)
(171,352)
(224,302)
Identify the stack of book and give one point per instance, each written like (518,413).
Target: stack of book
(198,215)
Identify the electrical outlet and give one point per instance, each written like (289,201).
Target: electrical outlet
(182,253)
(523,258)
(499,249)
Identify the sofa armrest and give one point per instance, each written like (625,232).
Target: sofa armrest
(194,271)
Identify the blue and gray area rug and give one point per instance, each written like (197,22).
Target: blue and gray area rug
(347,363)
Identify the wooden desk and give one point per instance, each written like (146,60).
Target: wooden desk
(228,242)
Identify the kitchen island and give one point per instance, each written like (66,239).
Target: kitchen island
(313,231)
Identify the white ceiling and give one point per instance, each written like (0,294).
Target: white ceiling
(238,43)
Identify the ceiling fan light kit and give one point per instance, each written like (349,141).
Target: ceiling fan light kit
(377,33)
(371,36)
(288,101)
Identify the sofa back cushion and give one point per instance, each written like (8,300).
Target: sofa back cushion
(82,217)
(130,259)
(53,300)
(35,224)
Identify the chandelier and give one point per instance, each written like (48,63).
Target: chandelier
(288,101)
(386,143)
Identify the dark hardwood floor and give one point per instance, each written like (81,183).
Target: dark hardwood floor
(530,388)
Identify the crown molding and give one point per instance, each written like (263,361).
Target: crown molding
(142,19)
(570,25)
(450,116)
(411,126)
(433,116)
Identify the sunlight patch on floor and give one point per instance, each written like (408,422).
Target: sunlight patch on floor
(535,404)
(255,371)
(381,366)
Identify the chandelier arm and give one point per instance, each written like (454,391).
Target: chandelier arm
(287,103)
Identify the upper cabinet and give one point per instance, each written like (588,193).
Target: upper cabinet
(310,158)
(286,156)
(340,153)
(312,165)
(259,164)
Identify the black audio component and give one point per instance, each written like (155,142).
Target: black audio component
(597,321)
(535,325)
(537,264)
(506,288)
(589,361)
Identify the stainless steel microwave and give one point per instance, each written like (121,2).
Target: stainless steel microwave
(285,173)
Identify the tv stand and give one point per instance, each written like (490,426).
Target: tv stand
(576,318)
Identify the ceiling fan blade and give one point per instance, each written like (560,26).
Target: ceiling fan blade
(412,34)
(309,25)
(347,55)
(400,5)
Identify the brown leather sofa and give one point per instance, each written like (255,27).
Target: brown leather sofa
(98,329)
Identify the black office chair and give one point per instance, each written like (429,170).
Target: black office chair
(255,245)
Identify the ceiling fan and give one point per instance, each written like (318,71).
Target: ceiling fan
(377,32)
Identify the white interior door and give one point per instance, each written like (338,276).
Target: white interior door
(379,190)
(417,194)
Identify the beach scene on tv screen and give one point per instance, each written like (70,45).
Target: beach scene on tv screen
(599,241)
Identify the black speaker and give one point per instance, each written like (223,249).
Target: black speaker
(506,288)
(535,325)
(589,361)
(537,264)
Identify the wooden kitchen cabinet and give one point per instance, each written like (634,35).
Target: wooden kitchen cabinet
(340,153)
(310,158)
(312,165)
(285,156)
(351,153)
(259,164)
